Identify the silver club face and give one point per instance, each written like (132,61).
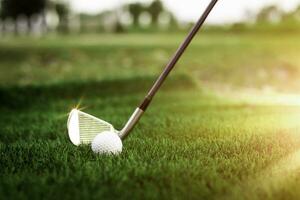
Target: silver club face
(83,128)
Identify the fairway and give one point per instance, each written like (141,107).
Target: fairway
(193,143)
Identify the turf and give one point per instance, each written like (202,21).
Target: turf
(191,144)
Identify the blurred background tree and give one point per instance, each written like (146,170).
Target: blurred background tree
(15,8)
(269,14)
(155,9)
(292,17)
(63,13)
(135,10)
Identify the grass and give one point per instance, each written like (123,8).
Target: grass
(191,144)
(247,60)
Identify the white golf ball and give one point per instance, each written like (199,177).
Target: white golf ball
(107,142)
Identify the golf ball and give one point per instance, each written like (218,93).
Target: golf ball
(107,142)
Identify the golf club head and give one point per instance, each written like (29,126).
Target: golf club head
(83,128)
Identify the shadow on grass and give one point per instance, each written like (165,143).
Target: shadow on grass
(17,97)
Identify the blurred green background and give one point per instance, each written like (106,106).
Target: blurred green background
(224,126)
(50,41)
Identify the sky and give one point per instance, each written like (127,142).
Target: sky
(226,11)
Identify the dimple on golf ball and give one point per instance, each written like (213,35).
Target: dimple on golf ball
(107,143)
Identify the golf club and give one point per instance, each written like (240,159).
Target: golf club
(83,128)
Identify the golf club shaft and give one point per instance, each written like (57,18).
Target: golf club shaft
(176,57)
(135,117)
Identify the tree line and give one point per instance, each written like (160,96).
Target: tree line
(14,9)
(271,18)
(27,9)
